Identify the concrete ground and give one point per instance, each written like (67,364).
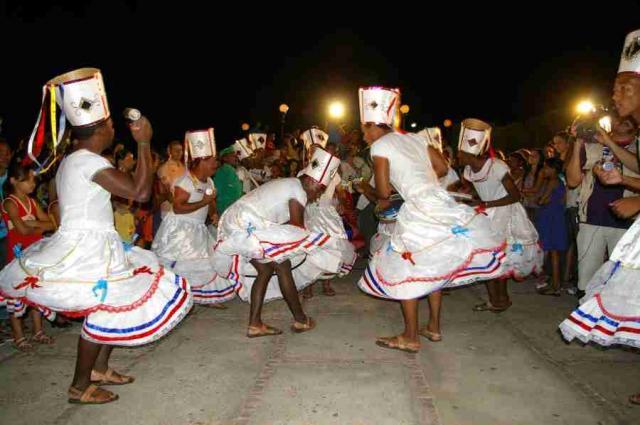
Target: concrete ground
(510,368)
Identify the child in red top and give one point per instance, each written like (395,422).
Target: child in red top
(26,222)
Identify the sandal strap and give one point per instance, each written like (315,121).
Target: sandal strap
(88,393)
(21,342)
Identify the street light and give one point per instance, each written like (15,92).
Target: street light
(414,125)
(284,108)
(585,107)
(404,110)
(245,126)
(336,110)
(448,123)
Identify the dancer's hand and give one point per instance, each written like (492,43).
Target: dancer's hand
(141,130)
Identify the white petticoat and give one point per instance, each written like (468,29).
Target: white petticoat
(126,296)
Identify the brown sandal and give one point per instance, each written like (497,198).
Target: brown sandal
(22,344)
(42,338)
(487,306)
(299,328)
(91,395)
(328,291)
(307,292)
(110,377)
(264,330)
(398,343)
(431,336)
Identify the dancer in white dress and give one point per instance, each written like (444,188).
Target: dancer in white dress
(263,232)
(183,242)
(435,241)
(500,199)
(433,138)
(322,215)
(84,269)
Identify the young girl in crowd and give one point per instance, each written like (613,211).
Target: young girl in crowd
(26,222)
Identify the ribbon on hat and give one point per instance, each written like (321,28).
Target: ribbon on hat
(37,139)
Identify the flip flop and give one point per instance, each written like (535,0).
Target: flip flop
(88,396)
(42,338)
(394,343)
(257,332)
(487,306)
(299,328)
(431,336)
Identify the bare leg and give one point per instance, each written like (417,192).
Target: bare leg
(308,292)
(503,293)
(410,315)
(102,361)
(19,340)
(498,294)
(327,289)
(555,269)
(258,291)
(435,302)
(570,261)
(38,332)
(289,291)
(36,317)
(87,355)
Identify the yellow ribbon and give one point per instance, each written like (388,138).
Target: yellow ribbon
(54,130)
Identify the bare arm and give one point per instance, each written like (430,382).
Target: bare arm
(213,211)
(438,162)
(181,204)
(367,190)
(44,221)
(614,177)
(513,194)
(574,171)
(138,187)
(537,186)
(548,189)
(629,159)
(381,173)
(14,215)
(626,207)
(296,213)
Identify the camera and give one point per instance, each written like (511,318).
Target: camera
(587,124)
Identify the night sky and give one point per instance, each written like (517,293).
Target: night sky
(190,66)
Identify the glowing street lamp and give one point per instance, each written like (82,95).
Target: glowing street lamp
(447,123)
(404,110)
(585,107)
(336,110)
(283,108)
(245,126)
(414,125)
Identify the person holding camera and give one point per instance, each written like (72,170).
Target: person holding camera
(608,313)
(600,227)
